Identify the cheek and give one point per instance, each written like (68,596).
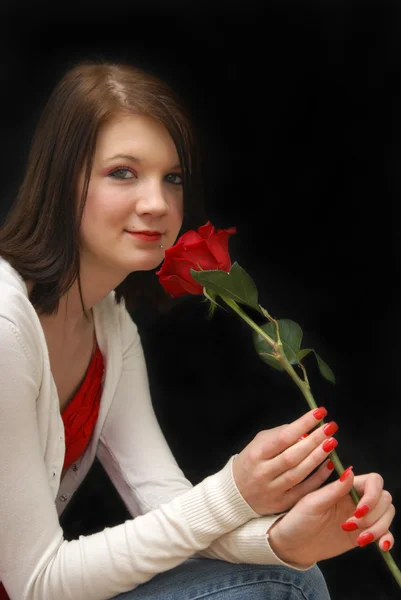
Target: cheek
(176,220)
(105,207)
(177,209)
(180,212)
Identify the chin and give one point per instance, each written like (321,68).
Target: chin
(144,265)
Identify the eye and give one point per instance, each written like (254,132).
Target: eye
(174,178)
(121,173)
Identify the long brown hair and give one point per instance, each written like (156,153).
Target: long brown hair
(40,235)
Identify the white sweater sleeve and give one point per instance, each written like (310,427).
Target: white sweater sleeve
(35,560)
(140,464)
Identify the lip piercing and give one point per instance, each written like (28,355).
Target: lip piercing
(160,246)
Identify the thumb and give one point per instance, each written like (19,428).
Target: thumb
(325,497)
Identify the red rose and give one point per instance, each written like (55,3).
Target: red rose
(205,249)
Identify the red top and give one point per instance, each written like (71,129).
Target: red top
(80,417)
(81,414)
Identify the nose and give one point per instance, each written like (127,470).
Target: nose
(152,200)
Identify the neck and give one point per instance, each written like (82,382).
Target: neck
(96,284)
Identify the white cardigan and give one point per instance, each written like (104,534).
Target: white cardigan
(172,519)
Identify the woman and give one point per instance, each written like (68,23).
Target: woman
(110,183)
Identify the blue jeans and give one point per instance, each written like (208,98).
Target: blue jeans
(198,578)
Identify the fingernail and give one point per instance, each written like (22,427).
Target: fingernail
(329,445)
(365,538)
(349,526)
(386,546)
(304,436)
(361,511)
(330,428)
(347,472)
(330,465)
(319,413)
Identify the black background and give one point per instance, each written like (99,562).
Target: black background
(299,109)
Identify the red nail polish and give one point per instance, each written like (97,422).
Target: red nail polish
(386,546)
(361,511)
(330,428)
(349,526)
(329,445)
(345,474)
(365,538)
(330,465)
(303,437)
(319,413)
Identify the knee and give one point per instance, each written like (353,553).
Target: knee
(278,582)
(307,585)
(283,583)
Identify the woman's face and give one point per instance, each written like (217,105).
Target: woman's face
(135,186)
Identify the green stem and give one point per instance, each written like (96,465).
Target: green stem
(305,389)
(249,321)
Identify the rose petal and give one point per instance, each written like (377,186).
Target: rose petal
(200,256)
(218,245)
(176,286)
(206,230)
(190,237)
(205,250)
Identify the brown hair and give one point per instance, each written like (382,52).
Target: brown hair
(40,235)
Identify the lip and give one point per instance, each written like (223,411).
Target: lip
(147,236)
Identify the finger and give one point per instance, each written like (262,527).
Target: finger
(369,517)
(311,484)
(386,542)
(369,488)
(378,530)
(373,515)
(288,435)
(305,446)
(299,461)
(327,496)
(326,430)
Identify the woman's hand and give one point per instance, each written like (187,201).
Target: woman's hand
(270,471)
(323,523)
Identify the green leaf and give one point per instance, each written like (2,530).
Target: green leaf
(270,360)
(324,368)
(291,337)
(303,353)
(236,285)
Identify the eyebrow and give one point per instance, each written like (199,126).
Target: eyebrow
(135,159)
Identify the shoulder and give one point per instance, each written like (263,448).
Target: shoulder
(19,322)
